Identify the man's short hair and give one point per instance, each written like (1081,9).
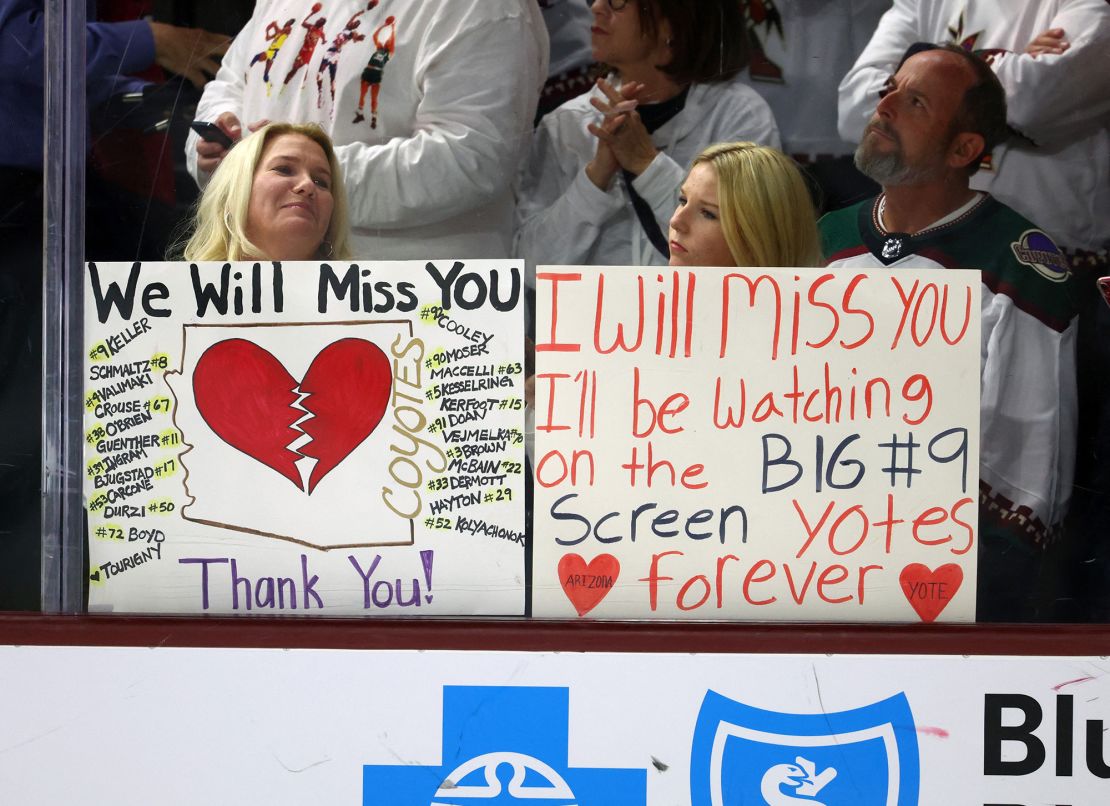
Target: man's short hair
(708,37)
(983,108)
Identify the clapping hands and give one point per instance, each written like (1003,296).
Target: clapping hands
(622,140)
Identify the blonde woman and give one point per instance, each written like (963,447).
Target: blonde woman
(744,204)
(277,195)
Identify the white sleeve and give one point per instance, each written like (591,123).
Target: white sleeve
(1061,98)
(560,213)
(224,93)
(858,92)
(479,94)
(1028,409)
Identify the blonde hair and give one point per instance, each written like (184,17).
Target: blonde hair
(767,214)
(221,214)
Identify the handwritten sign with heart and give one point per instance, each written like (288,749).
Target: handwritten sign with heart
(929,591)
(760,443)
(319,437)
(246,396)
(586,584)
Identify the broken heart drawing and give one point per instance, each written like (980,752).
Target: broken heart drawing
(251,401)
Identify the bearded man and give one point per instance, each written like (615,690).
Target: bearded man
(937,117)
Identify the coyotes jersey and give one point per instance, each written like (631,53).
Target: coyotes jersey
(1027,371)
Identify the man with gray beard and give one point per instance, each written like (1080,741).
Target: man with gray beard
(937,117)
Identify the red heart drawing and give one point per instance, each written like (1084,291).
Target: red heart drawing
(586,585)
(245,395)
(928,591)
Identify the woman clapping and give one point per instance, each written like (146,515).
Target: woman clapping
(604,169)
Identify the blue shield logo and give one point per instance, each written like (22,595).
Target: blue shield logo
(746,756)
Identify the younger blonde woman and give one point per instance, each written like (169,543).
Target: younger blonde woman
(744,204)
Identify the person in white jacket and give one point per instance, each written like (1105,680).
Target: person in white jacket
(572,63)
(433,178)
(800,51)
(604,171)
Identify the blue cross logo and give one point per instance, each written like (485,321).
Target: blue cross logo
(502,745)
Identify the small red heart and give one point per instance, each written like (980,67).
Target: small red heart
(928,591)
(246,396)
(587,584)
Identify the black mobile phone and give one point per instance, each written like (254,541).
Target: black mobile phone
(211,133)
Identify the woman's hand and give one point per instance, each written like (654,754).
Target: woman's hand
(622,130)
(603,167)
(210,155)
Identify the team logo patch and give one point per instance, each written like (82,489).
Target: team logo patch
(1036,249)
(893,247)
(503,744)
(864,757)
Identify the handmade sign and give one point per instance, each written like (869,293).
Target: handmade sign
(305,438)
(756,444)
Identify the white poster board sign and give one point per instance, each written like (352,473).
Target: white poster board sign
(305,438)
(756,444)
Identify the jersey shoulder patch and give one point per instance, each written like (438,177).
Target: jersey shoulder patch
(1035,249)
(1030,268)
